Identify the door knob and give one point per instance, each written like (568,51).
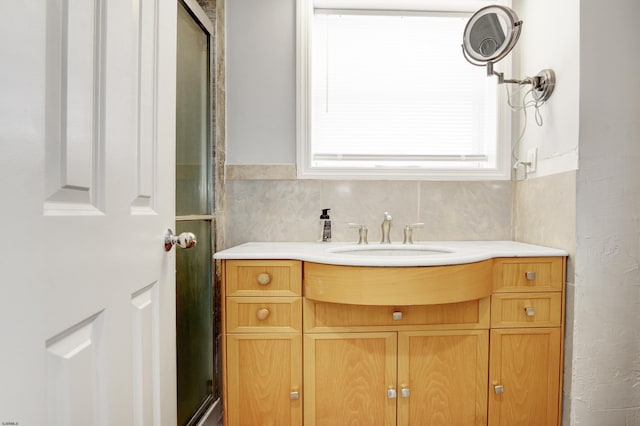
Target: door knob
(185,240)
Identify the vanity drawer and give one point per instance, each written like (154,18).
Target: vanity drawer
(263,277)
(257,314)
(323,316)
(526,310)
(528,274)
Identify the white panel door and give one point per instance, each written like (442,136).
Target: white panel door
(87,190)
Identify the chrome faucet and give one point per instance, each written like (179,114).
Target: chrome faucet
(386,229)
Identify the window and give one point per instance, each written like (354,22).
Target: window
(388,94)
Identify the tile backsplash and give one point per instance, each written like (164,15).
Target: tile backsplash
(289,210)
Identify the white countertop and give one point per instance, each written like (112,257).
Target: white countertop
(454,252)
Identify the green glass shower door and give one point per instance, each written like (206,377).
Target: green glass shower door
(194,327)
(197,386)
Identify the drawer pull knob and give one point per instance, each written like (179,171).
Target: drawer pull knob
(531,275)
(405,392)
(530,311)
(498,389)
(264,278)
(263,314)
(391,393)
(397,316)
(294,395)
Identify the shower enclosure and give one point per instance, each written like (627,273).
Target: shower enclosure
(196,322)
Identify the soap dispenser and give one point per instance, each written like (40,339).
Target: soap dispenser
(325,226)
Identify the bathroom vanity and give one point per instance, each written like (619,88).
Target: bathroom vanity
(472,335)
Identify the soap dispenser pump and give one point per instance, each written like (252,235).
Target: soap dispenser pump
(325,226)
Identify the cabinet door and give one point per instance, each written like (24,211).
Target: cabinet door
(442,377)
(348,378)
(526,364)
(264,372)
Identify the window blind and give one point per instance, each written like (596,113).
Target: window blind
(393,88)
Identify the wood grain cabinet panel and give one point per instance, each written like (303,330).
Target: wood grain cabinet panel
(526,364)
(323,317)
(445,374)
(528,274)
(263,372)
(428,285)
(264,314)
(263,278)
(526,310)
(347,377)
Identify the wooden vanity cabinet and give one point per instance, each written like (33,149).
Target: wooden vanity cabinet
(262,361)
(490,361)
(402,365)
(527,329)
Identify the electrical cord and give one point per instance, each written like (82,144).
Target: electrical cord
(537,116)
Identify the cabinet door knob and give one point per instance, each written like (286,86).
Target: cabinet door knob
(498,389)
(530,275)
(294,395)
(391,393)
(263,314)
(530,311)
(264,278)
(397,316)
(405,392)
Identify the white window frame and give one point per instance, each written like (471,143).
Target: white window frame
(305,170)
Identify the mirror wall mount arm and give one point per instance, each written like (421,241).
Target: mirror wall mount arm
(542,83)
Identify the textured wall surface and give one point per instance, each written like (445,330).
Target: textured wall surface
(289,210)
(544,213)
(606,346)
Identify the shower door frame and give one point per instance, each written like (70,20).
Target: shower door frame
(211,409)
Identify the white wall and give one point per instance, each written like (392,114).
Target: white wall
(261,80)
(550,39)
(606,377)
(261,77)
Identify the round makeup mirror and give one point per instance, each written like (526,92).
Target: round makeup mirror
(491,33)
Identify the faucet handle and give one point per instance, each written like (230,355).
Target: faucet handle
(362,232)
(408,232)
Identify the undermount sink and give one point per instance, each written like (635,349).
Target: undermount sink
(390,250)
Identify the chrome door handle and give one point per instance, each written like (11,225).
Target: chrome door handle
(185,240)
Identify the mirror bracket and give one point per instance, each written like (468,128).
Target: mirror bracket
(542,83)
